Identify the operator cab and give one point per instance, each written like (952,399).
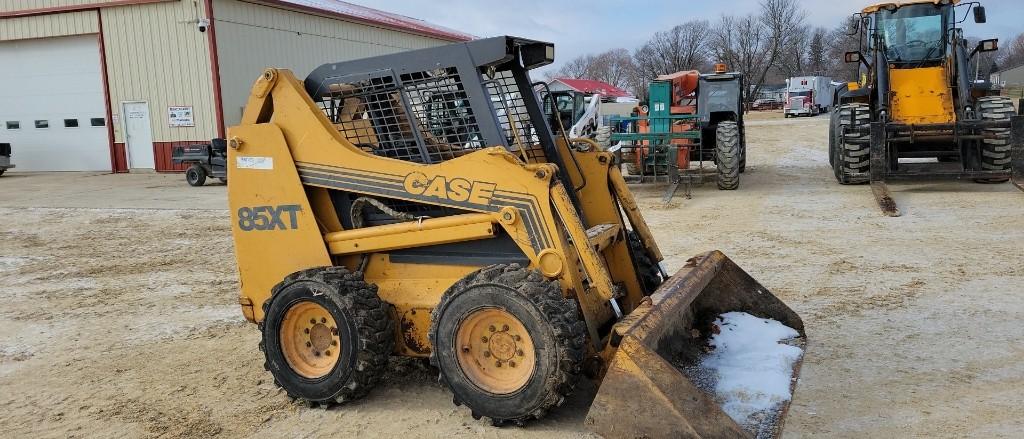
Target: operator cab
(912,34)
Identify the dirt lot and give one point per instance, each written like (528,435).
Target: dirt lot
(119,315)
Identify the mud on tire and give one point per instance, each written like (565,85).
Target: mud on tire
(364,328)
(649,271)
(849,157)
(552,322)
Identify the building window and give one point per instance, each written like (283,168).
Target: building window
(70,123)
(13,125)
(98,122)
(42,124)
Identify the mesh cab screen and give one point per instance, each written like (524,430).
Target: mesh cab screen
(422,117)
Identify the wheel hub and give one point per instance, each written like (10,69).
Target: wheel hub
(309,339)
(495,351)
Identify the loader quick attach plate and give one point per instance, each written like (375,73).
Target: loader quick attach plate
(646,391)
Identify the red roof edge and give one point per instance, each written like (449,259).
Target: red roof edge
(594,86)
(365,15)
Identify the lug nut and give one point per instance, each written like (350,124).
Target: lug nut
(327,353)
(334,331)
(516,338)
(334,342)
(308,344)
(497,363)
(487,353)
(511,364)
(323,319)
(519,352)
(465,349)
(312,321)
(504,327)
(306,330)
(491,328)
(483,339)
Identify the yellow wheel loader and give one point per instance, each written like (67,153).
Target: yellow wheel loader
(418,204)
(918,113)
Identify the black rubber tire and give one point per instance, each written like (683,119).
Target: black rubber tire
(360,315)
(551,320)
(727,155)
(851,158)
(647,269)
(195,175)
(833,139)
(2,172)
(995,153)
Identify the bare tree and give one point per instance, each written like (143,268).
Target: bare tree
(844,38)
(817,52)
(614,67)
(1012,54)
(755,44)
(577,68)
(684,47)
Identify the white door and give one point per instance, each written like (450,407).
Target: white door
(52,108)
(138,134)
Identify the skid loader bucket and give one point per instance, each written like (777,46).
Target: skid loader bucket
(650,390)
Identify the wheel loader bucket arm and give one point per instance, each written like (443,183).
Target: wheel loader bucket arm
(647,392)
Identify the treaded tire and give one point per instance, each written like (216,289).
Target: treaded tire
(851,158)
(360,315)
(195,175)
(647,269)
(995,153)
(552,321)
(603,137)
(727,155)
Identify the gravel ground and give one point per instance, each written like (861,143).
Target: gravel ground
(119,313)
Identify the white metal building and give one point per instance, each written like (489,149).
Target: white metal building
(113,85)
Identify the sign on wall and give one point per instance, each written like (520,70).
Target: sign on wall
(181,116)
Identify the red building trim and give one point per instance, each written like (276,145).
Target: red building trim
(118,161)
(218,100)
(161,154)
(72,8)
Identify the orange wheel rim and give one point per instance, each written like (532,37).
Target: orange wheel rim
(309,340)
(495,351)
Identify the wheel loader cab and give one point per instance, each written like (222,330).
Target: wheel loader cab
(418,204)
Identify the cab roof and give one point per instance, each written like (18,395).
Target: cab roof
(886,5)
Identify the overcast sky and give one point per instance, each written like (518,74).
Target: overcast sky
(593,26)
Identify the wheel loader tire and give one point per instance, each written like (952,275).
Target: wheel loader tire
(2,172)
(727,155)
(507,344)
(195,175)
(995,153)
(851,158)
(833,139)
(650,273)
(326,335)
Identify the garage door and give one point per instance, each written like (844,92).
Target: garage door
(51,104)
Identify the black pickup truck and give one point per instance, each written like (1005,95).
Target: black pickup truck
(5,157)
(206,159)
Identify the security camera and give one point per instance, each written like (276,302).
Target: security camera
(202,24)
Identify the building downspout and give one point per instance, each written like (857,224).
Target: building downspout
(218,101)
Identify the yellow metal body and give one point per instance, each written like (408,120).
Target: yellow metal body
(887,5)
(287,153)
(286,156)
(921,95)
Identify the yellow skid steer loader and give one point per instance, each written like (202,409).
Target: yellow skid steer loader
(418,204)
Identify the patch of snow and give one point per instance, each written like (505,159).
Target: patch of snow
(750,365)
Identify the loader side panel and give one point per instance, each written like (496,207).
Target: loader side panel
(921,96)
(273,225)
